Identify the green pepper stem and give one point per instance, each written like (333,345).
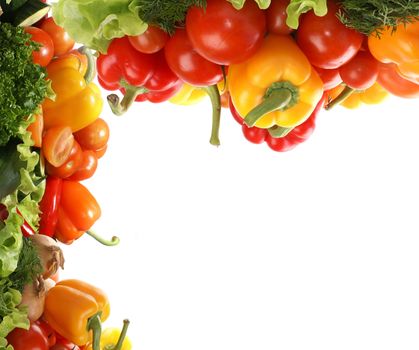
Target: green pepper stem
(346,92)
(131,93)
(279,131)
(94,324)
(91,64)
(214,95)
(278,99)
(114,240)
(122,336)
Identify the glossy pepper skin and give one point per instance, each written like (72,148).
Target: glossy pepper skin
(400,47)
(78,102)
(371,96)
(75,219)
(138,75)
(278,67)
(70,307)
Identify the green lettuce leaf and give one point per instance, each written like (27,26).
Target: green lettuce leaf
(238,4)
(95,23)
(297,7)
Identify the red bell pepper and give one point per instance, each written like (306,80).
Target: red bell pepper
(49,206)
(25,228)
(138,75)
(297,135)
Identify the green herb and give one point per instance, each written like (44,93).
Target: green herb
(22,83)
(166,14)
(95,23)
(28,267)
(368,16)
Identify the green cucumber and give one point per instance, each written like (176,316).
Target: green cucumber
(31,13)
(10,165)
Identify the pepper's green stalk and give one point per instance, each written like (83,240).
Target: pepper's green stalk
(122,336)
(109,243)
(214,95)
(131,92)
(95,325)
(346,92)
(91,64)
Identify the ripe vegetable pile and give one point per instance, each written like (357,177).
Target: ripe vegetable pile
(275,65)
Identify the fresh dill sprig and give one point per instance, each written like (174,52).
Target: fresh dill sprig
(166,14)
(368,16)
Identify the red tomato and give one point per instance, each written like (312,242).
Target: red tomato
(151,41)
(187,64)
(94,136)
(224,35)
(330,77)
(326,42)
(46,51)
(360,72)
(87,167)
(70,166)
(63,43)
(36,129)
(33,338)
(57,144)
(276,17)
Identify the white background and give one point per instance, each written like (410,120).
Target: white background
(243,248)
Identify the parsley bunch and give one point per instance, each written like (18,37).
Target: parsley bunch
(22,83)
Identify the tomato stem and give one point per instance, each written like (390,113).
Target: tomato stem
(278,99)
(122,336)
(214,95)
(94,324)
(109,243)
(131,92)
(346,92)
(91,64)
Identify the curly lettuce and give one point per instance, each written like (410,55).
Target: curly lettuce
(238,4)
(95,23)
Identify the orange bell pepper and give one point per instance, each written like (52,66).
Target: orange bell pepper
(73,308)
(371,96)
(400,47)
(276,88)
(78,101)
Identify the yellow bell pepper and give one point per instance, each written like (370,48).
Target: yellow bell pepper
(73,308)
(400,47)
(78,102)
(113,338)
(277,87)
(371,96)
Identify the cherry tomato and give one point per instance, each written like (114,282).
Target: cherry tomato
(36,129)
(330,77)
(70,166)
(94,136)
(187,64)
(63,43)
(326,42)
(46,51)
(87,167)
(224,35)
(33,338)
(276,17)
(57,144)
(101,152)
(360,72)
(151,41)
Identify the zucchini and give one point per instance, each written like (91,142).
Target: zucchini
(10,165)
(31,13)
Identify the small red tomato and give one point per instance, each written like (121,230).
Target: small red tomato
(151,41)
(276,17)
(70,166)
(33,338)
(46,51)
(326,42)
(94,136)
(57,144)
(360,72)
(63,43)
(224,35)
(330,77)
(87,167)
